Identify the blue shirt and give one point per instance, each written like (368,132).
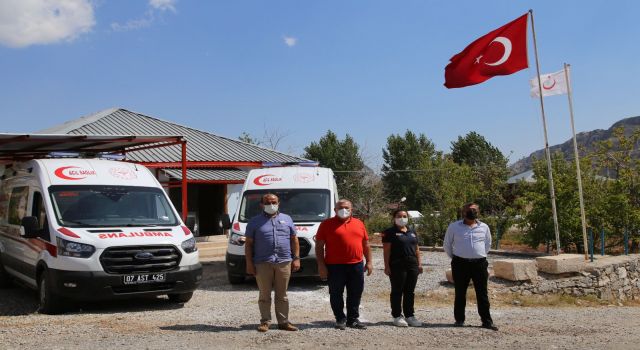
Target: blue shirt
(271,237)
(467,242)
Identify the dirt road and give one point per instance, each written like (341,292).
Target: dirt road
(224,317)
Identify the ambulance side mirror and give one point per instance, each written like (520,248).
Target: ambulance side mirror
(191,223)
(225,222)
(31,227)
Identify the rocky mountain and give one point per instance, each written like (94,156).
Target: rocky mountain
(586,142)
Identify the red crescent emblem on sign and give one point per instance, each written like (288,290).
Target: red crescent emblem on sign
(258,180)
(60,173)
(544,84)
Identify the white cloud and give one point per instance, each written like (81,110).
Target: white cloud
(132,24)
(290,41)
(163,5)
(28,22)
(155,7)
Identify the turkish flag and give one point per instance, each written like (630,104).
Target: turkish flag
(501,52)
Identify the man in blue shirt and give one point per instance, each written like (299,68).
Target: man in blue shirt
(467,243)
(272,252)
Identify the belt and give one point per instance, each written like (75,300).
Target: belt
(469,260)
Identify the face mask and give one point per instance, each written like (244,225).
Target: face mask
(471,215)
(270,208)
(344,213)
(402,222)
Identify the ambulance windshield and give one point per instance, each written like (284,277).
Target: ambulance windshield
(303,205)
(111,206)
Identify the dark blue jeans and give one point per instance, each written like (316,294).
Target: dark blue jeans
(350,276)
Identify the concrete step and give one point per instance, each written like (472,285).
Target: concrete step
(211,245)
(212,239)
(212,251)
(214,247)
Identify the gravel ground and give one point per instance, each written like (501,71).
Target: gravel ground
(225,316)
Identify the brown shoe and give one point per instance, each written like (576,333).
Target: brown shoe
(263,327)
(287,327)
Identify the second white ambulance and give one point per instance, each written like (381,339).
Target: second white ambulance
(307,194)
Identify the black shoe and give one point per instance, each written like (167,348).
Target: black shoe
(459,324)
(356,324)
(341,325)
(490,326)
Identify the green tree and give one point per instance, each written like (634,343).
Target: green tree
(343,156)
(490,167)
(474,150)
(447,186)
(539,220)
(620,209)
(403,157)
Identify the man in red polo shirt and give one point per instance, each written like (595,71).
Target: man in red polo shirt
(341,242)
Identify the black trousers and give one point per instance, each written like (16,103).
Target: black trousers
(403,277)
(463,271)
(350,276)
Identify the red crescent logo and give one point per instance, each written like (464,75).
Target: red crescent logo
(60,173)
(544,84)
(73,175)
(258,180)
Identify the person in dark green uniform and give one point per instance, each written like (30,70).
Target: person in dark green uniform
(402,265)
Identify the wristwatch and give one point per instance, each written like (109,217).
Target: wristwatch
(295,257)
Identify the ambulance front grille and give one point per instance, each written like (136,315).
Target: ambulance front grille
(139,259)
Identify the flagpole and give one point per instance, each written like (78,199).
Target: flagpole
(546,141)
(575,151)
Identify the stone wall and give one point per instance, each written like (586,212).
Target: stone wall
(608,278)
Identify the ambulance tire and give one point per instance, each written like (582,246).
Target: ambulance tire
(50,303)
(236,279)
(5,279)
(180,297)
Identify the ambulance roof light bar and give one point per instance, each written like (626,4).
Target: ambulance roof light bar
(62,154)
(99,155)
(281,164)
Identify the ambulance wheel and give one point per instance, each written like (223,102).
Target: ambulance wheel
(50,303)
(5,279)
(180,297)
(235,279)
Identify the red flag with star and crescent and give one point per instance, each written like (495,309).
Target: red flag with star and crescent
(500,52)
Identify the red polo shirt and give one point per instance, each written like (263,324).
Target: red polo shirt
(343,240)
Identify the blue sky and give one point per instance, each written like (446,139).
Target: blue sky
(367,68)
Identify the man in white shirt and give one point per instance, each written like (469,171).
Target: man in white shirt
(467,243)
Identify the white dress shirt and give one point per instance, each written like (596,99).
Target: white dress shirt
(469,242)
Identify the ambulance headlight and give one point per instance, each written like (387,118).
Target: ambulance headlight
(189,245)
(236,239)
(74,249)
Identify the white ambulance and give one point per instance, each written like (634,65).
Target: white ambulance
(307,194)
(91,229)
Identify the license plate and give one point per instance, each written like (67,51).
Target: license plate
(145,278)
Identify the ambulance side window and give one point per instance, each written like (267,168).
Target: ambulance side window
(39,212)
(18,204)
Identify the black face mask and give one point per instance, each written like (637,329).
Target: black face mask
(471,215)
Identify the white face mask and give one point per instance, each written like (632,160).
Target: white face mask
(402,222)
(344,213)
(270,208)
